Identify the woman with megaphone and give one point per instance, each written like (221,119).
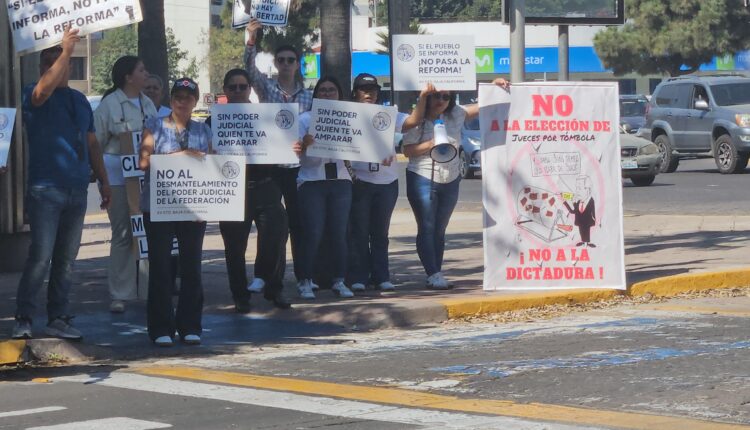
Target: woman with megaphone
(432,176)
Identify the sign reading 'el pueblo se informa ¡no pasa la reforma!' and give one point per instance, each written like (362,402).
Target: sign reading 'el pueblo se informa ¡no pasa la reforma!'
(448,62)
(37,25)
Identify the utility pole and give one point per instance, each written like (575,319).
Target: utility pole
(398,23)
(517,41)
(563,53)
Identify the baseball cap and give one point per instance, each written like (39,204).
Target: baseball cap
(185,84)
(364,80)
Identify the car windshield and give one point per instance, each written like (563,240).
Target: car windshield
(731,94)
(473,124)
(633,107)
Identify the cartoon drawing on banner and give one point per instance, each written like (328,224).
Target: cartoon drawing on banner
(584,210)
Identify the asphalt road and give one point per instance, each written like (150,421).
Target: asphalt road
(677,365)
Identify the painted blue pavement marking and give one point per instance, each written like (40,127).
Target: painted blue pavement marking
(504,369)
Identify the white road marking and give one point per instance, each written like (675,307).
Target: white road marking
(31,411)
(314,405)
(116,423)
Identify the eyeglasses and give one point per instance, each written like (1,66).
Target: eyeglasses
(238,87)
(288,60)
(443,97)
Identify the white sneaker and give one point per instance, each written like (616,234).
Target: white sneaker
(436,281)
(163,341)
(358,286)
(256,286)
(192,339)
(305,290)
(341,290)
(386,286)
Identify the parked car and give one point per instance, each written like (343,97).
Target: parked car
(639,159)
(633,111)
(690,115)
(471,149)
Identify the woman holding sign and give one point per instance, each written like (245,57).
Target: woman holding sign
(174,134)
(119,123)
(325,193)
(374,196)
(431,182)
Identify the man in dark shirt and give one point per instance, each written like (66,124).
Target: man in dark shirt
(62,152)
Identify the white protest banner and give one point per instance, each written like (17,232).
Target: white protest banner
(7,121)
(352,131)
(551,186)
(268,12)
(446,61)
(189,188)
(263,133)
(136,226)
(37,24)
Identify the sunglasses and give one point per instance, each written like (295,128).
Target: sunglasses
(238,87)
(287,60)
(443,97)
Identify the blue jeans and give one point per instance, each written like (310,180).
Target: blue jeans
(372,207)
(432,217)
(56,218)
(325,206)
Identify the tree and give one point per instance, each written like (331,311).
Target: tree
(336,37)
(124,41)
(152,38)
(384,39)
(662,36)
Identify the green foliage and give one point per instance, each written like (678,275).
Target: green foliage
(660,36)
(482,10)
(384,40)
(560,7)
(124,41)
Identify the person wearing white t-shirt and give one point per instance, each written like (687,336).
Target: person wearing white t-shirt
(122,112)
(325,196)
(432,188)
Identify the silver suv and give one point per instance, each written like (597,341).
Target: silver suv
(697,114)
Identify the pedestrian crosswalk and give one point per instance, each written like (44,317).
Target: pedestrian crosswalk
(31,411)
(116,423)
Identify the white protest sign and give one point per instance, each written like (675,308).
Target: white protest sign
(188,188)
(130,166)
(551,186)
(446,61)
(7,121)
(37,24)
(268,12)
(263,133)
(352,131)
(136,226)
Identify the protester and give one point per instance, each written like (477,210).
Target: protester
(432,188)
(121,115)
(262,205)
(62,152)
(174,134)
(374,196)
(154,89)
(325,193)
(287,88)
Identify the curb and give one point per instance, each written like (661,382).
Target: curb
(18,351)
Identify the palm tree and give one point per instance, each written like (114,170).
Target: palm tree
(152,39)
(336,40)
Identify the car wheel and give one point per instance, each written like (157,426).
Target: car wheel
(464,169)
(728,160)
(669,161)
(643,181)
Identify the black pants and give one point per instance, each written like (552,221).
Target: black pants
(161,317)
(286,178)
(263,206)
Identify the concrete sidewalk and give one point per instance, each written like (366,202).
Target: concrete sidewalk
(704,253)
